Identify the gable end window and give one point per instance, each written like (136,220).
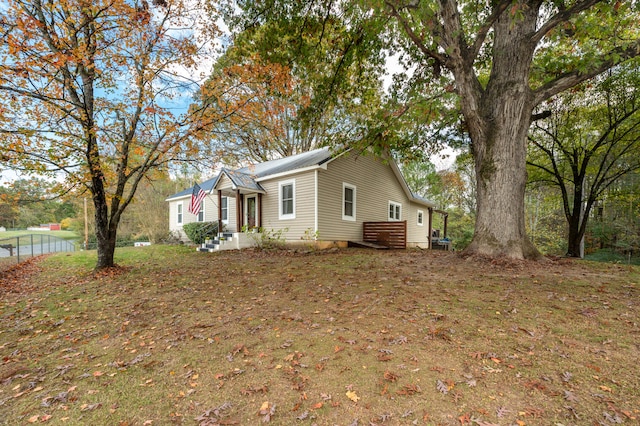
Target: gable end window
(348,202)
(395,211)
(287,202)
(180,214)
(420,218)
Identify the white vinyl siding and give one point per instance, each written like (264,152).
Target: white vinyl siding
(376,184)
(348,202)
(305,206)
(287,200)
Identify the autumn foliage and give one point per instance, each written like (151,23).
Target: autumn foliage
(91,91)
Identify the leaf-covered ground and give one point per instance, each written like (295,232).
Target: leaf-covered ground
(349,337)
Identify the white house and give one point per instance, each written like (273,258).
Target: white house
(335,199)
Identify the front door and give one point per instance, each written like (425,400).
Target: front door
(251,212)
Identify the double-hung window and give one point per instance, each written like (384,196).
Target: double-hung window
(395,211)
(287,202)
(179,214)
(420,218)
(348,202)
(224,208)
(201,212)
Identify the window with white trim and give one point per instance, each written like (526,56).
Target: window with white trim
(287,199)
(348,202)
(420,218)
(180,214)
(201,212)
(395,211)
(224,209)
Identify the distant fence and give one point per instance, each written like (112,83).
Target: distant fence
(18,249)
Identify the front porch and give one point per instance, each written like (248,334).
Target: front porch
(247,195)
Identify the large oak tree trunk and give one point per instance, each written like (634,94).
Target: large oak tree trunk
(501,178)
(498,118)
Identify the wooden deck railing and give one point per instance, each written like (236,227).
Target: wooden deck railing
(390,234)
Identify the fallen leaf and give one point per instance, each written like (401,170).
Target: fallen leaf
(267,410)
(90,407)
(465,419)
(390,377)
(442,387)
(352,396)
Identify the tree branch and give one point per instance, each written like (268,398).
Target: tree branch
(570,79)
(562,16)
(430,53)
(481,35)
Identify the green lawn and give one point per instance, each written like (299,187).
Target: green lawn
(65,235)
(337,337)
(606,255)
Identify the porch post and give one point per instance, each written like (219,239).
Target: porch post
(259,210)
(430,232)
(446,220)
(220,210)
(238,211)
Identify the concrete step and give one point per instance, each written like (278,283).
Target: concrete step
(206,250)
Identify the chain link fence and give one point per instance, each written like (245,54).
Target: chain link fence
(18,249)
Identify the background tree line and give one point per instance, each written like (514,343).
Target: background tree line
(98,92)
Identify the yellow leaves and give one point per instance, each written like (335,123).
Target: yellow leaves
(353,396)
(267,410)
(39,418)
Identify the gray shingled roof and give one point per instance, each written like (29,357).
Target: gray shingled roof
(281,165)
(243,180)
(244,177)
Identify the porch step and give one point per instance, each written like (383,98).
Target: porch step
(367,244)
(227,241)
(206,250)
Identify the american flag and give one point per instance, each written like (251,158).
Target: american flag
(197,196)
